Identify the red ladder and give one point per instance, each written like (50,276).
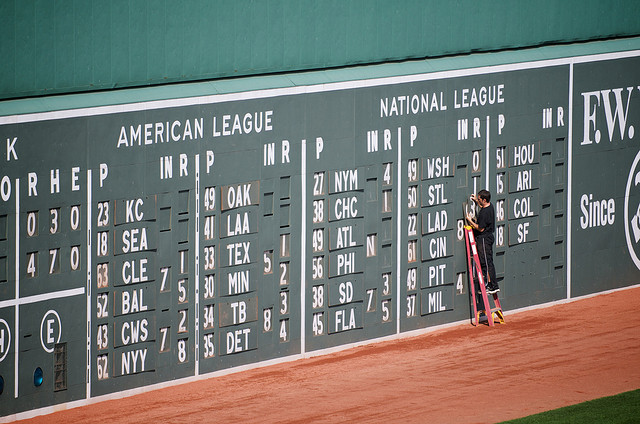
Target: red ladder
(495,313)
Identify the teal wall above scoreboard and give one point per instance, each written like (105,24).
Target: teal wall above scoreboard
(68,46)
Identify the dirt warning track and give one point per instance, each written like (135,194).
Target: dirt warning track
(540,360)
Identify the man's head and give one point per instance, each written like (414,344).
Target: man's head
(485,196)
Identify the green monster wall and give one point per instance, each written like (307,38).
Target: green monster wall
(155,242)
(68,46)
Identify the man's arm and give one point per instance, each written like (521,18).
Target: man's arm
(473,223)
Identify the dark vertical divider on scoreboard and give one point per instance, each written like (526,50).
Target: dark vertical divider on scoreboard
(7,289)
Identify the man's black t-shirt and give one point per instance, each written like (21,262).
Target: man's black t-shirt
(486,220)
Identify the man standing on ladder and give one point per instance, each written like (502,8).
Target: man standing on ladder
(483,230)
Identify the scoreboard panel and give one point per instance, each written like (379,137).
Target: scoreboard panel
(150,242)
(606,196)
(488,137)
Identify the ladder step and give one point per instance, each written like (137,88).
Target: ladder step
(482,311)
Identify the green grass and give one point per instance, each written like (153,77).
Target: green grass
(622,408)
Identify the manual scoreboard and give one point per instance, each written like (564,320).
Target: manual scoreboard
(148,242)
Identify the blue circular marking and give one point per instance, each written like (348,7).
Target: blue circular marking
(37,377)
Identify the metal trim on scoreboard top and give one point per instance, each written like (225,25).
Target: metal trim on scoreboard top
(147,98)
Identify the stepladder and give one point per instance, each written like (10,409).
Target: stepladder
(492,314)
